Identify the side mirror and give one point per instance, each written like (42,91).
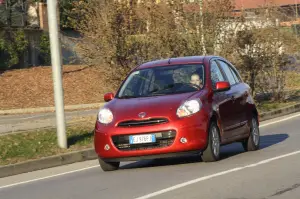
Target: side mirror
(222,86)
(108,97)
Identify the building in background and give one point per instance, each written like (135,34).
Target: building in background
(32,17)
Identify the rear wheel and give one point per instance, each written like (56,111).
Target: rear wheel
(108,166)
(252,142)
(212,152)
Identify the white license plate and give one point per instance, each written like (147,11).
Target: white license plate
(140,139)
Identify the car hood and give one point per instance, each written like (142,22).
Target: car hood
(156,106)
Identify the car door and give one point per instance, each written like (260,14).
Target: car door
(243,90)
(236,95)
(222,102)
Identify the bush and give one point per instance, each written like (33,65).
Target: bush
(45,52)
(12,48)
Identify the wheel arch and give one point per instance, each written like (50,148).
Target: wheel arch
(215,118)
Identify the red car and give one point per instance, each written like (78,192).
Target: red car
(176,106)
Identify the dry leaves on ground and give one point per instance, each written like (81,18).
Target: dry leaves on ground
(33,87)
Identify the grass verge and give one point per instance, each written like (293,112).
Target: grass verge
(20,147)
(271,106)
(292,98)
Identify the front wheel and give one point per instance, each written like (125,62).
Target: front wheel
(108,166)
(212,152)
(252,142)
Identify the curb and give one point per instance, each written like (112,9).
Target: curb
(48,162)
(280,112)
(50,109)
(89,154)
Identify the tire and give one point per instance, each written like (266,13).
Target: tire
(252,142)
(212,151)
(108,166)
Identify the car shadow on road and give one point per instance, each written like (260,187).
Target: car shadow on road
(226,152)
(266,141)
(269,140)
(163,162)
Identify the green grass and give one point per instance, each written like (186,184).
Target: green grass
(20,147)
(292,99)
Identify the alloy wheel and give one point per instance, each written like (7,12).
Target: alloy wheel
(215,141)
(255,132)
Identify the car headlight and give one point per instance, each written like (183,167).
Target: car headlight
(189,107)
(105,116)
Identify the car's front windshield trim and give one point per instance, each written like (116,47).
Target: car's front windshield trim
(164,69)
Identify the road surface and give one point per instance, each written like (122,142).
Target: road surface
(15,123)
(272,172)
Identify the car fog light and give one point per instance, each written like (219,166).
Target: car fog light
(107,147)
(183,140)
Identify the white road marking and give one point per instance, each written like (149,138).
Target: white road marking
(180,185)
(52,176)
(215,175)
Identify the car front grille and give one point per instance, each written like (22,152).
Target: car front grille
(163,139)
(137,123)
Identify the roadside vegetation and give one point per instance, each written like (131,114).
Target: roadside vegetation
(30,145)
(125,34)
(13,44)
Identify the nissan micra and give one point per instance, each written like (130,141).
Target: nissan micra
(174,107)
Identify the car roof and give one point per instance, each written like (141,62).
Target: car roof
(174,61)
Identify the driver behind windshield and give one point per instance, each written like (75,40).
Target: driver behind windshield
(196,80)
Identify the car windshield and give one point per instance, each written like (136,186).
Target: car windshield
(164,80)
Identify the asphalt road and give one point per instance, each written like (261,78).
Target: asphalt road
(15,123)
(272,172)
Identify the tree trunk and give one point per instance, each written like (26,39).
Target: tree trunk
(252,82)
(201,27)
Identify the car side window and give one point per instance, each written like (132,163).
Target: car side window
(236,75)
(215,74)
(227,72)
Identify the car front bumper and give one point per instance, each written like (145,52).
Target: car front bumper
(193,128)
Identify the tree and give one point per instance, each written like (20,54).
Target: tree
(67,17)
(13,44)
(121,35)
(261,51)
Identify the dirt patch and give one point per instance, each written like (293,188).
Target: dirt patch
(32,88)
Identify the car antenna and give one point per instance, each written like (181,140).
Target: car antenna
(169,62)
